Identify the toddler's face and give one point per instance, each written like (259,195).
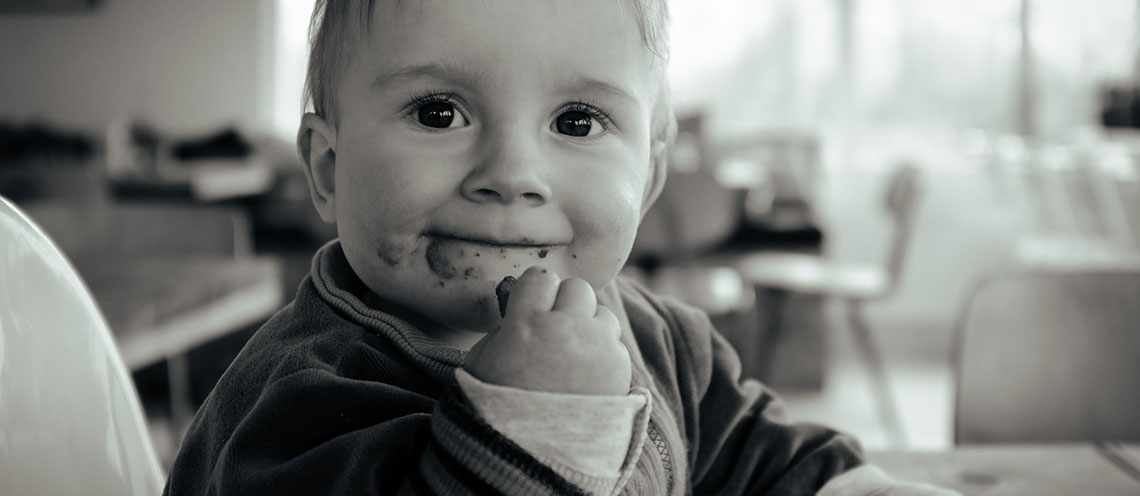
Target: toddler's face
(476,139)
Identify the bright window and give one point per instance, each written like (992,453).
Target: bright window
(290,50)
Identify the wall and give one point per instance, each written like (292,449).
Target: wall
(184,66)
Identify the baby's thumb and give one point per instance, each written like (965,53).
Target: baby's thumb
(473,355)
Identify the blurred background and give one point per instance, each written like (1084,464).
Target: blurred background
(847,174)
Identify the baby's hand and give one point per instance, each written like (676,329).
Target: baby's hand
(555,338)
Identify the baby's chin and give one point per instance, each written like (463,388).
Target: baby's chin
(467,305)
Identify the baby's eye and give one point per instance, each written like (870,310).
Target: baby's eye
(441,115)
(577,123)
(582,119)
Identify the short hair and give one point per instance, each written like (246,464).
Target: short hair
(337,26)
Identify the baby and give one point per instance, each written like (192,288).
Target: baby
(456,144)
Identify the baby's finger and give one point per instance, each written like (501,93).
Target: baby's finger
(577,296)
(536,289)
(607,319)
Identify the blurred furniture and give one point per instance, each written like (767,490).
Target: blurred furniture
(803,273)
(1087,200)
(782,275)
(1050,356)
(695,212)
(755,191)
(144,162)
(71,422)
(160,307)
(168,277)
(93,233)
(694,215)
(725,198)
(778,171)
(1017,470)
(80,182)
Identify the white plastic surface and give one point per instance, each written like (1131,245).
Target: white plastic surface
(70,420)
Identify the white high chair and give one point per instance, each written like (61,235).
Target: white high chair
(70,419)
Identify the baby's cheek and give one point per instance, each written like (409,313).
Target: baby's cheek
(602,258)
(395,252)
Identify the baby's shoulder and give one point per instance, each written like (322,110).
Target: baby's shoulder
(648,310)
(664,324)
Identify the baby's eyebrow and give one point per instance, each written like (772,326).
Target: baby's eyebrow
(456,73)
(588,85)
(468,76)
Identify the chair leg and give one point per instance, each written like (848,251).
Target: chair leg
(880,386)
(181,404)
(773,316)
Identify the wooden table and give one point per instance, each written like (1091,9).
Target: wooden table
(161,307)
(993,470)
(167,276)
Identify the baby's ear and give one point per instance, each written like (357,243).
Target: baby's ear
(316,145)
(658,166)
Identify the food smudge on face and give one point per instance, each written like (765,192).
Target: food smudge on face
(395,253)
(441,263)
(438,262)
(388,255)
(481,303)
(503,293)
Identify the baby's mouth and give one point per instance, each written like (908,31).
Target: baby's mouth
(490,243)
(468,257)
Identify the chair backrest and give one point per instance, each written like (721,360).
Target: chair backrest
(900,196)
(70,419)
(1050,357)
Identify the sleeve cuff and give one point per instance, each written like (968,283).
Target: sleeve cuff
(583,433)
(871,480)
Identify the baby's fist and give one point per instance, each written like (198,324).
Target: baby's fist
(555,338)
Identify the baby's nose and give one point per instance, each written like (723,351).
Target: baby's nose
(513,172)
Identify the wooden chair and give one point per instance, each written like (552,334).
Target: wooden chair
(70,420)
(1050,356)
(808,273)
(780,274)
(727,284)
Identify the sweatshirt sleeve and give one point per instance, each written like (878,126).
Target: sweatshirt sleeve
(313,432)
(593,441)
(467,456)
(743,445)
